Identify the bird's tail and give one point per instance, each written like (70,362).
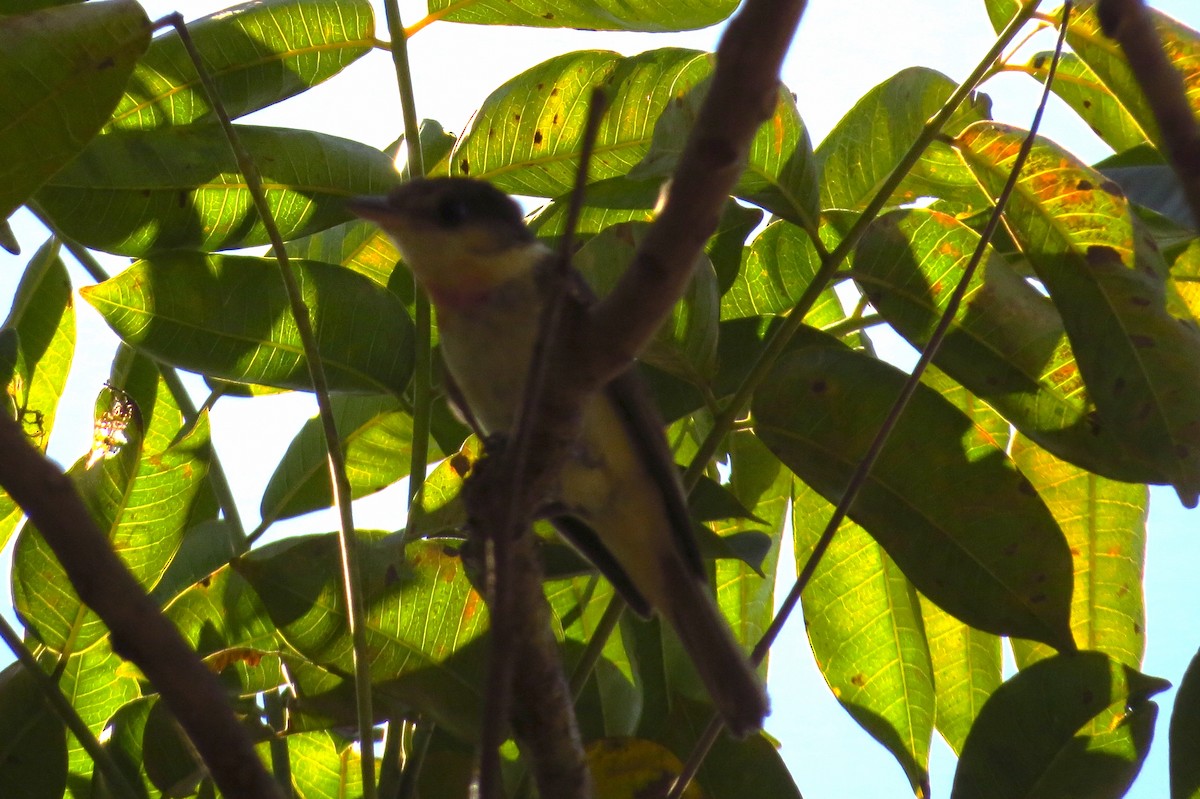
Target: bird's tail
(723,667)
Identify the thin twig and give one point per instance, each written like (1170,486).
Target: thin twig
(337,462)
(862,471)
(779,340)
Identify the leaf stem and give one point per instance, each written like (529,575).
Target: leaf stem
(337,462)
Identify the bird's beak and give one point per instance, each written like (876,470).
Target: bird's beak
(373,208)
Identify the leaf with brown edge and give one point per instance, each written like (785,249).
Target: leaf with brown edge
(1139,361)
(1006,344)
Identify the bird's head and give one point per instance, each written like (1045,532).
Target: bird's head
(461,237)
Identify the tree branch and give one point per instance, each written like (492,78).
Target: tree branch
(1130,24)
(140,633)
(742,95)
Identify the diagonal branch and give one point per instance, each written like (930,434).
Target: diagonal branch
(1129,22)
(140,632)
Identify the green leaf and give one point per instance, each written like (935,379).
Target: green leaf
(62,71)
(871,650)
(1105,525)
(1079,88)
(780,173)
(527,136)
(733,768)
(1001,12)
(423,622)
(966,662)
(135,192)
(222,618)
(762,484)
(439,507)
(1185,735)
(98,683)
(228,317)
(868,143)
(41,328)
(256,53)
(323,769)
(1140,362)
(1071,725)
(966,670)
(686,344)
(1106,60)
(1007,343)
(376,437)
(125,746)
(42,593)
(965,527)
(601,15)
(779,265)
(33,739)
(611,702)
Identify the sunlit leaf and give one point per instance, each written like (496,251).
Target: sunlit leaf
(228,317)
(256,53)
(1105,525)
(1007,344)
(1141,363)
(864,624)
(376,442)
(423,619)
(1079,88)
(603,15)
(868,143)
(1104,57)
(62,71)
(134,192)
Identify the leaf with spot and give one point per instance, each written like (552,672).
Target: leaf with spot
(227,316)
(1140,363)
(601,15)
(1079,88)
(780,173)
(869,141)
(135,192)
(1006,344)
(423,623)
(527,136)
(256,54)
(944,500)
(1071,725)
(62,71)
(1105,59)
(1105,525)
(864,624)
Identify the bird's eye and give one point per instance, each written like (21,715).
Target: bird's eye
(451,211)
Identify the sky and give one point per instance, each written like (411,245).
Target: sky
(840,52)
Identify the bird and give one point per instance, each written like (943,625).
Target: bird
(618,499)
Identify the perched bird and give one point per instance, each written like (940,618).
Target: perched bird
(618,498)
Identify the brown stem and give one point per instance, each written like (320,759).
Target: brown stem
(140,633)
